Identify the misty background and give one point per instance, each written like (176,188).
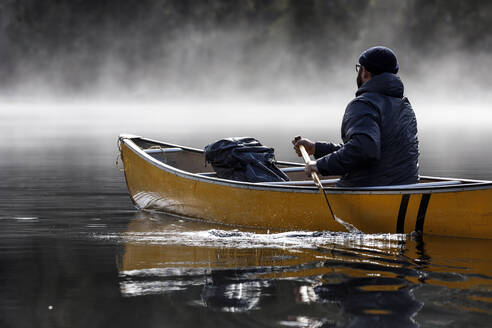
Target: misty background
(147,49)
(77,73)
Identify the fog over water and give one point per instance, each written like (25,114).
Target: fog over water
(258,51)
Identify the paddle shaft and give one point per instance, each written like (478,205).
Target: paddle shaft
(316,179)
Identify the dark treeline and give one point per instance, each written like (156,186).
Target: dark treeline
(74,42)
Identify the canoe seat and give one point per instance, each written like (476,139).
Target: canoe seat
(162,150)
(300,183)
(293,169)
(214,174)
(331,181)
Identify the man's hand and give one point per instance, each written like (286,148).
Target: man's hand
(308,144)
(310,167)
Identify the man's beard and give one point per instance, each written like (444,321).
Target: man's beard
(359,78)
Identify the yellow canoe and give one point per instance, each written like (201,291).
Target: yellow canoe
(176,179)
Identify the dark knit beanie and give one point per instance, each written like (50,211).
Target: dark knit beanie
(379,60)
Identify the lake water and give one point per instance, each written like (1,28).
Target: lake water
(75,253)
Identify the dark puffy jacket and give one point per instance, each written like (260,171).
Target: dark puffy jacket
(379,131)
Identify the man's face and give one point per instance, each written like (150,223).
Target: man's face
(359,78)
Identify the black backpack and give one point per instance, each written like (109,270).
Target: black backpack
(243,159)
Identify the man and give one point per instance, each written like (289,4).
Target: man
(379,130)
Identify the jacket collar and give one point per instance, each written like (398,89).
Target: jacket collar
(386,83)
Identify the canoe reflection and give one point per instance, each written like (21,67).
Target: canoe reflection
(221,293)
(373,301)
(361,280)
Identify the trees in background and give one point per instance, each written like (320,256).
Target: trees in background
(78,38)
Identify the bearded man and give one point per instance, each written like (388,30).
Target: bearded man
(379,130)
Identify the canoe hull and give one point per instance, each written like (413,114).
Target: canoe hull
(448,212)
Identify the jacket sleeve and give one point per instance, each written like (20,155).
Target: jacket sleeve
(324,148)
(363,141)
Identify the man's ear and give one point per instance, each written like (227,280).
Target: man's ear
(366,74)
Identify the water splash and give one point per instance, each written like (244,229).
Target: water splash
(246,240)
(350,227)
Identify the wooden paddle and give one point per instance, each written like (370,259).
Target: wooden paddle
(317,182)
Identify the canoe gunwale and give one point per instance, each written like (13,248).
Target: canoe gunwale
(466,185)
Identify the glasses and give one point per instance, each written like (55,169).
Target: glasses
(357,67)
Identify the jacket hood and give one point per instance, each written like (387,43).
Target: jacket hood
(386,83)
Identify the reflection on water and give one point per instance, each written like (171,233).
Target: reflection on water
(357,280)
